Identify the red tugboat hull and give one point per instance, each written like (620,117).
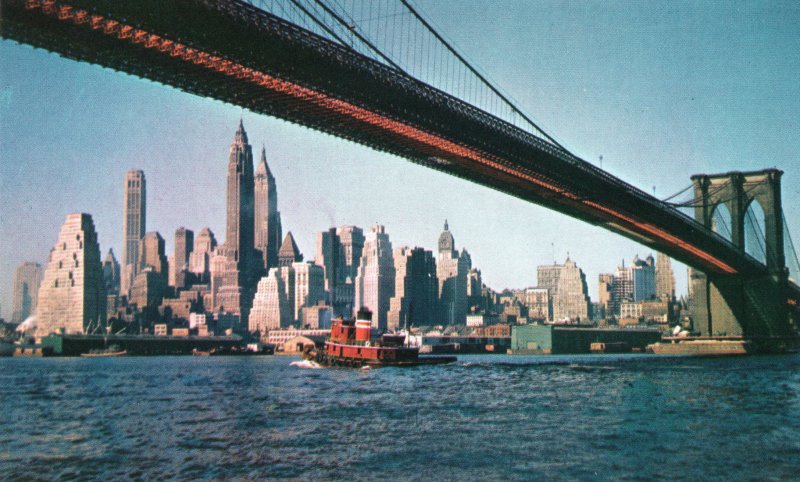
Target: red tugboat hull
(350,345)
(373,357)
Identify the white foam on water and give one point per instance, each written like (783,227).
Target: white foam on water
(306,364)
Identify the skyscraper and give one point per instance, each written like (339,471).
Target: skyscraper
(665,278)
(235,269)
(567,290)
(289,252)
(71,296)
(643,275)
(572,299)
(309,287)
(200,257)
(374,284)
(111,273)
(27,279)
(547,277)
(537,300)
(475,299)
(415,292)
(351,242)
(152,254)
(271,307)
(351,246)
(111,280)
(605,291)
(327,256)
(267,218)
(239,226)
(447,243)
(184,244)
(622,289)
(134,217)
(147,291)
(452,271)
(225,280)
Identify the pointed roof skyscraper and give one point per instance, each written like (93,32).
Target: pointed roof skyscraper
(239,240)
(241,136)
(289,252)
(111,273)
(267,218)
(262,169)
(447,243)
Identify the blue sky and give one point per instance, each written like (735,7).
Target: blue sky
(661,90)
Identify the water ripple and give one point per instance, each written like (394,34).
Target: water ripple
(485,417)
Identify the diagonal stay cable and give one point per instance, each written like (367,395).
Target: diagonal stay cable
(481,77)
(319,22)
(678,193)
(363,39)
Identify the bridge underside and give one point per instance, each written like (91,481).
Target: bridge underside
(230,51)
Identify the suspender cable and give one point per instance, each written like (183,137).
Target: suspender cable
(477,74)
(319,22)
(360,37)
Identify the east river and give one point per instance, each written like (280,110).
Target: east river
(482,418)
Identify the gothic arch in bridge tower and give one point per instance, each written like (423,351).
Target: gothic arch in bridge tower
(753,306)
(721,220)
(755,231)
(737,191)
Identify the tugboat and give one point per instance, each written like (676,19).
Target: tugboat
(351,345)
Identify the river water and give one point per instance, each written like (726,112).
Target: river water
(484,417)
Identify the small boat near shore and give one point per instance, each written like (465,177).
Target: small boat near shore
(108,353)
(113,350)
(701,347)
(350,344)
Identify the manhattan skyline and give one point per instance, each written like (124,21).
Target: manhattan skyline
(660,95)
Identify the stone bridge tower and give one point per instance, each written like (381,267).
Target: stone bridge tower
(750,306)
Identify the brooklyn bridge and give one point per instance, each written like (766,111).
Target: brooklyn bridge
(412,94)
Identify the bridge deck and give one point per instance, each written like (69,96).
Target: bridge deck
(231,51)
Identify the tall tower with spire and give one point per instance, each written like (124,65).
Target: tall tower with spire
(446,241)
(267,218)
(239,238)
(235,269)
(452,271)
